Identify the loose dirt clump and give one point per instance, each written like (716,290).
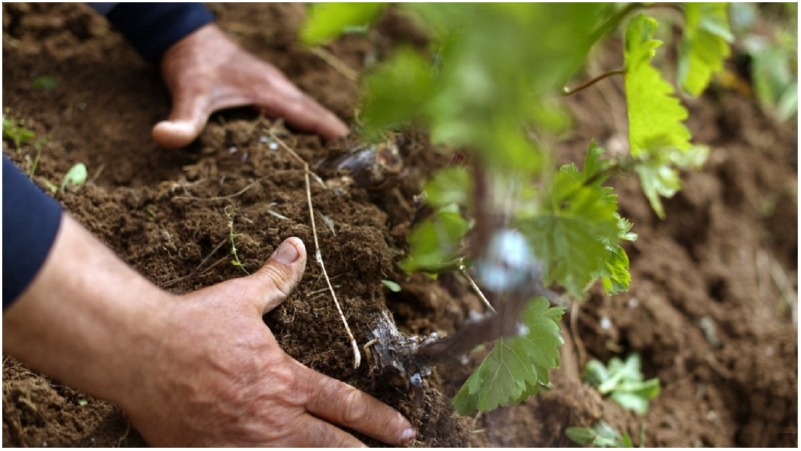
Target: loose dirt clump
(711,308)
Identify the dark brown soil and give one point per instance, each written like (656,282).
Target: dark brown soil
(712,302)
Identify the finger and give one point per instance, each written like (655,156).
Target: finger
(285,100)
(190,112)
(304,113)
(278,277)
(347,406)
(313,432)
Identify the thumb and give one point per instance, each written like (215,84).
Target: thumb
(189,115)
(278,277)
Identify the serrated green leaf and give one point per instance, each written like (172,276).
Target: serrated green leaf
(451,185)
(655,114)
(517,366)
(328,20)
(579,222)
(705,45)
(657,134)
(435,242)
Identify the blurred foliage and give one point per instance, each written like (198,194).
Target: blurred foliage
(768,36)
(490,84)
(600,435)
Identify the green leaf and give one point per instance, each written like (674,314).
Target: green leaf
(705,45)
(601,435)
(396,92)
(76,176)
(328,20)
(391,285)
(18,134)
(435,242)
(657,135)
(615,277)
(576,229)
(623,382)
(45,82)
(655,115)
(451,185)
(517,366)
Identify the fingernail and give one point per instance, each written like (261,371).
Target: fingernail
(408,435)
(287,253)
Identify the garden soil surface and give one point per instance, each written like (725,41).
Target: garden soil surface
(712,303)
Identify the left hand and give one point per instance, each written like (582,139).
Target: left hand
(206,72)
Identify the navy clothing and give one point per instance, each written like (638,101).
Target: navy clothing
(153,27)
(30,223)
(31,218)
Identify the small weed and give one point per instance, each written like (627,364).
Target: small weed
(16,132)
(230,214)
(45,82)
(602,435)
(623,382)
(76,176)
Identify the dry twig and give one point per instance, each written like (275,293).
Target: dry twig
(336,63)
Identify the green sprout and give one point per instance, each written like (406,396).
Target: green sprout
(76,176)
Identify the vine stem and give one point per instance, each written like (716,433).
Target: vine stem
(318,256)
(570,91)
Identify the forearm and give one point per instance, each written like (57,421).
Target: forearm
(87,318)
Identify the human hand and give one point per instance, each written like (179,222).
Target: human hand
(222,380)
(196,369)
(206,71)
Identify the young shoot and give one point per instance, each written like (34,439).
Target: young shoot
(230,214)
(76,176)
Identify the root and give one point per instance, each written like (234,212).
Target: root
(318,257)
(197,269)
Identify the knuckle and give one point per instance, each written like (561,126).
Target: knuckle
(276,277)
(355,407)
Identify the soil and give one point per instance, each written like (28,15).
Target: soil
(712,303)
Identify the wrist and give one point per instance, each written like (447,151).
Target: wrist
(86,318)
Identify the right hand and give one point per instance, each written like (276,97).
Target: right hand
(220,378)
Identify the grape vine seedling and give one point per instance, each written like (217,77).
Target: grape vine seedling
(536,236)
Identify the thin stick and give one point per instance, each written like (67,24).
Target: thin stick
(476,288)
(209,199)
(197,268)
(318,256)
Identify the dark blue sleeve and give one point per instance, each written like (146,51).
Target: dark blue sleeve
(153,27)
(30,223)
